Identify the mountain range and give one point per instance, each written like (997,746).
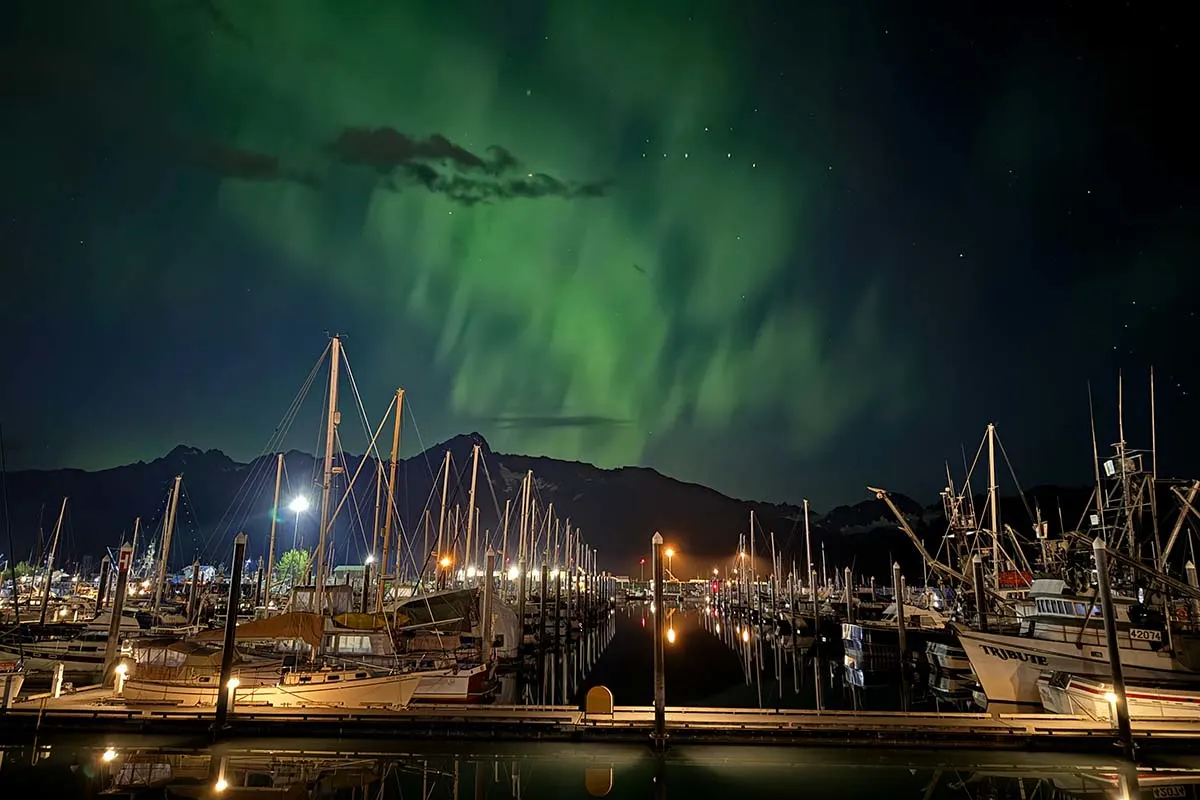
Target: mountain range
(617,510)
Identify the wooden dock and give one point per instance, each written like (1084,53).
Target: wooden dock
(94,710)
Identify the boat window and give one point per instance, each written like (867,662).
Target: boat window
(360,674)
(330,678)
(354,644)
(1080,610)
(205,679)
(305,678)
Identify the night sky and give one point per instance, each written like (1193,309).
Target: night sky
(782,253)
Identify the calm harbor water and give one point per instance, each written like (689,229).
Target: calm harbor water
(702,670)
(88,767)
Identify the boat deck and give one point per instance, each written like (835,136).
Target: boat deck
(95,709)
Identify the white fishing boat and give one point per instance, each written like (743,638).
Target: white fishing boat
(1065,633)
(1062,693)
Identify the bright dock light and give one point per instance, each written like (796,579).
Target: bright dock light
(299,504)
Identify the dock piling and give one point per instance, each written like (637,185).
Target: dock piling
(124,562)
(660,616)
(231,614)
(1120,702)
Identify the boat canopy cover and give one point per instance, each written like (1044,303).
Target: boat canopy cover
(302,625)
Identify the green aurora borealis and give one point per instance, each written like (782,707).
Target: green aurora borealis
(610,319)
(763,254)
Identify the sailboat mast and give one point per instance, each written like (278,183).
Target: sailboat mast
(12,563)
(168,533)
(441,531)
(373,552)
(387,509)
(274,522)
(331,423)
(504,537)
(50,561)
(469,553)
(808,567)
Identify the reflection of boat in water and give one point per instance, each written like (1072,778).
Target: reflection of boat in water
(947,657)
(12,678)
(1063,693)
(536,772)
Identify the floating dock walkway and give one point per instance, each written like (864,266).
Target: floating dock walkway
(94,710)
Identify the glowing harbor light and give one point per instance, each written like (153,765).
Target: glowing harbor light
(108,755)
(445,562)
(513,573)
(470,572)
(554,574)
(746,635)
(299,504)
(221,785)
(671,635)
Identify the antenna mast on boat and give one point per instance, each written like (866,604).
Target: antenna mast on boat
(1126,494)
(1096,466)
(331,423)
(1154,477)
(993,505)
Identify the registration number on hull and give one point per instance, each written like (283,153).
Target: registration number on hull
(1004,654)
(1144,635)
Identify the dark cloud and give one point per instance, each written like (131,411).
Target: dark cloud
(234,162)
(441,166)
(509,422)
(386,148)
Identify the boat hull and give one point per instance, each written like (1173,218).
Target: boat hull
(392,691)
(1008,667)
(1075,695)
(38,658)
(464,686)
